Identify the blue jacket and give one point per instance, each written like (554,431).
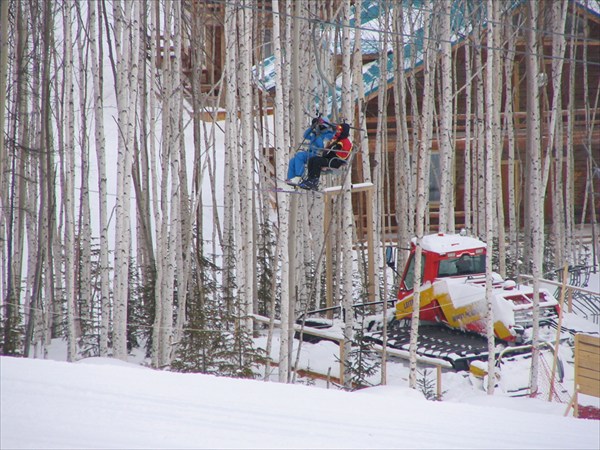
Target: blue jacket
(316,138)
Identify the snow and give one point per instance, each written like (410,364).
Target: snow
(445,243)
(461,293)
(102,403)
(107,403)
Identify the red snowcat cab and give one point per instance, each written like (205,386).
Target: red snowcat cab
(453,290)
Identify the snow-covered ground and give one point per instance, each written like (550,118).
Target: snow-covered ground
(102,403)
(106,403)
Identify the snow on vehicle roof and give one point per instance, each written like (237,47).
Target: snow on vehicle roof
(445,243)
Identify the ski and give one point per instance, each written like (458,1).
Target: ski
(299,190)
(291,190)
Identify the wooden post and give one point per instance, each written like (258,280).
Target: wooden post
(556,343)
(370,246)
(439,381)
(587,369)
(342,356)
(293,288)
(328,262)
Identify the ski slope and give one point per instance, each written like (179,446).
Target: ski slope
(103,403)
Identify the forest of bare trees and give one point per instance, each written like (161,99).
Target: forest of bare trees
(142,139)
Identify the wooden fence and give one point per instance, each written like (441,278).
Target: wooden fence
(587,369)
(325,335)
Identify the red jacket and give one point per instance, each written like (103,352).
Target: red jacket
(341,143)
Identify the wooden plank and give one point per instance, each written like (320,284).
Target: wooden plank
(588,387)
(587,364)
(594,341)
(587,349)
(589,374)
(587,360)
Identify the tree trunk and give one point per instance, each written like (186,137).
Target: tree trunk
(126,44)
(490,135)
(424,156)
(404,182)
(97,59)
(509,129)
(280,161)
(446,218)
(68,177)
(535,207)
(247,219)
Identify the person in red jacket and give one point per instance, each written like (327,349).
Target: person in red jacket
(337,154)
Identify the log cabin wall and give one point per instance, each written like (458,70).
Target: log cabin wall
(585,128)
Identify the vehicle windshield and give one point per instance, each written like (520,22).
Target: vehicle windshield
(464,265)
(409,278)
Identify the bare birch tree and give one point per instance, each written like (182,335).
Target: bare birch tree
(68,182)
(404,188)
(127,34)
(424,155)
(84,231)
(99,135)
(509,136)
(14,187)
(247,267)
(280,161)
(535,205)
(553,151)
(4,50)
(347,215)
(446,221)
(467,158)
(490,133)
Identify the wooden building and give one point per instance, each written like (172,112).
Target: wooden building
(579,138)
(582,142)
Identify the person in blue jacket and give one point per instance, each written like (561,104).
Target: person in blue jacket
(319,132)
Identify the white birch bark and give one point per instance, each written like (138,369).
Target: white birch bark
(568,198)
(180,228)
(231,195)
(126,43)
(535,176)
(490,128)
(404,181)
(170,196)
(298,228)
(4,50)
(424,156)
(498,145)
(84,243)
(467,199)
(553,151)
(347,216)
(68,185)
(416,122)
(359,88)
(381,143)
(509,128)
(97,72)
(280,161)
(446,218)
(159,171)
(246,148)
(478,155)
(17,190)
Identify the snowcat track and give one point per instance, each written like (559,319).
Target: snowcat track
(436,341)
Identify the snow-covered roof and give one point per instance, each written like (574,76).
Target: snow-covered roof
(464,17)
(446,243)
